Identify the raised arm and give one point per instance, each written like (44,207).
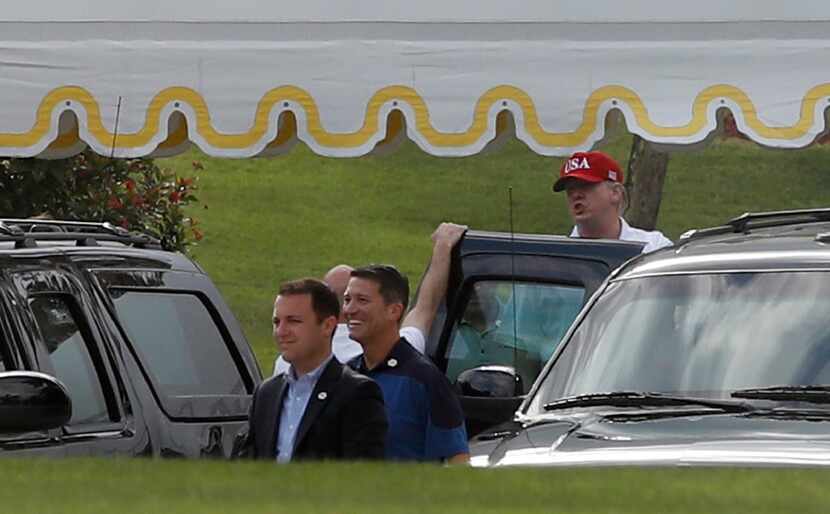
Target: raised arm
(434,284)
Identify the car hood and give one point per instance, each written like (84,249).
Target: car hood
(662,439)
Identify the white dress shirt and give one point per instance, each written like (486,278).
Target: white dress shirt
(293,408)
(653,239)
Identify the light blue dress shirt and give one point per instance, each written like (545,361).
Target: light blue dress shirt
(293,408)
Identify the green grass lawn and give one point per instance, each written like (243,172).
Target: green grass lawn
(139,486)
(268,220)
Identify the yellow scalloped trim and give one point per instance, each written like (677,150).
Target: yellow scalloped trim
(403,94)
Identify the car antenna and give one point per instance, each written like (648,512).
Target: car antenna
(114,138)
(115,133)
(513,278)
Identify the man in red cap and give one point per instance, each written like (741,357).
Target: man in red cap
(597,199)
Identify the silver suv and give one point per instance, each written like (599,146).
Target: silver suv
(715,351)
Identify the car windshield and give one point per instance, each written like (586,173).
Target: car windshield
(697,335)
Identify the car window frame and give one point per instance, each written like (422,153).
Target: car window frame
(203,301)
(462,300)
(188,283)
(459,304)
(99,363)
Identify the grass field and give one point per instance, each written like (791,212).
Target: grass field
(268,220)
(142,486)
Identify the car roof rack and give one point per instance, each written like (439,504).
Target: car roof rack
(27,232)
(754,220)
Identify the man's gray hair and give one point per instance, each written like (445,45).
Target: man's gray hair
(623,206)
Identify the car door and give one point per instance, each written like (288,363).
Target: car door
(509,301)
(60,325)
(15,355)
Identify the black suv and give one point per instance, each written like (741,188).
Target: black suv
(148,358)
(713,352)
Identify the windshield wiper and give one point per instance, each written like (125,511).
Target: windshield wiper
(812,393)
(641,399)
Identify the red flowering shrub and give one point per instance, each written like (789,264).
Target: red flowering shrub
(132,193)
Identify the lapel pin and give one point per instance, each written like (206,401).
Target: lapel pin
(322,396)
(392,362)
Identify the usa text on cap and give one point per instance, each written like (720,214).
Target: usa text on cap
(588,167)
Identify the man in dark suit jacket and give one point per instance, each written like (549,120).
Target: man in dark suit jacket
(318,409)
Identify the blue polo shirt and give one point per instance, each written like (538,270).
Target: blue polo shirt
(425,418)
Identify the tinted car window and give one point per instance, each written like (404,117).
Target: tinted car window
(699,335)
(4,365)
(69,353)
(179,342)
(490,332)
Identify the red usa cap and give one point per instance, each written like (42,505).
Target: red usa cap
(589,167)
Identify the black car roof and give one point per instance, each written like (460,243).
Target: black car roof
(106,255)
(611,251)
(801,246)
(88,244)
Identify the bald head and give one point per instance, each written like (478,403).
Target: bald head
(337,279)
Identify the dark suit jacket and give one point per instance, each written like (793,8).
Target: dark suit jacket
(345,418)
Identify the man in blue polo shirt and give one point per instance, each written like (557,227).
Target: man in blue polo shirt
(425,418)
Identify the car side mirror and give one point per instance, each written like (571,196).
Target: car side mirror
(490,382)
(32,401)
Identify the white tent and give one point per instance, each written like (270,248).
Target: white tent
(243,78)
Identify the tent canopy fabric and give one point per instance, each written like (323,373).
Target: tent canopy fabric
(248,78)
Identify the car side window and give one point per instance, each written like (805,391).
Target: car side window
(5,361)
(489,332)
(72,357)
(9,351)
(179,342)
